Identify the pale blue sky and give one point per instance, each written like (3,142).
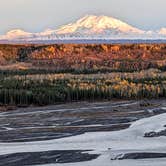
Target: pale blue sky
(38,15)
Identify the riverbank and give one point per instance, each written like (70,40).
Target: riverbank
(64,120)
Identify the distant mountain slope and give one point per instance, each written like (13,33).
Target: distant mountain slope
(16,34)
(87,28)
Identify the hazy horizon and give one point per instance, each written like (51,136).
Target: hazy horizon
(37,15)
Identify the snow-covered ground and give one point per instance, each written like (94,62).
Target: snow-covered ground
(108,144)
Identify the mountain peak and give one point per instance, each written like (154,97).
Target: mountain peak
(17,34)
(162,31)
(97,24)
(101,21)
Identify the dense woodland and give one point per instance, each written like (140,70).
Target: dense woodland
(49,74)
(43,89)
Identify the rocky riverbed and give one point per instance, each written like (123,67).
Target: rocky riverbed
(83,133)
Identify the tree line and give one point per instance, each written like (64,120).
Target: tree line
(25,90)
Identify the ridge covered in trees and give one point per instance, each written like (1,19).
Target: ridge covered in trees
(49,74)
(120,57)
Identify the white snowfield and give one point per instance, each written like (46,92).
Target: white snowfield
(108,144)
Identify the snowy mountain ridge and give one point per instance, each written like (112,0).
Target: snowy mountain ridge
(88,27)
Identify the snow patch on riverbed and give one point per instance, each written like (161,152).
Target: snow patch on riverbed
(108,144)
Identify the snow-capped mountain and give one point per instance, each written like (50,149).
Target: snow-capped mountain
(88,27)
(162,31)
(16,34)
(98,25)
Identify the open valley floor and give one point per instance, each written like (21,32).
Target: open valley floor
(85,134)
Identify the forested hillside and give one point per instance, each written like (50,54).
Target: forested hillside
(84,72)
(86,56)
